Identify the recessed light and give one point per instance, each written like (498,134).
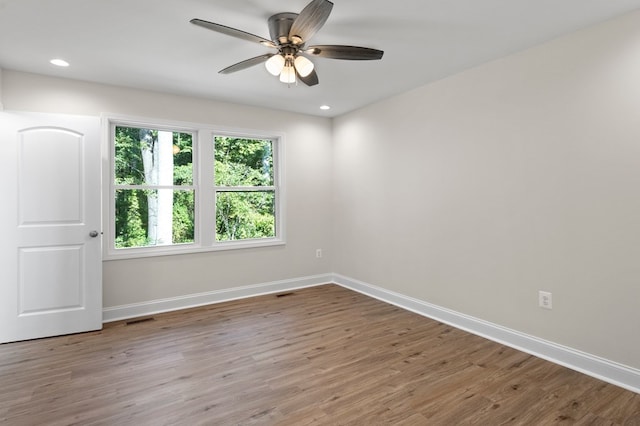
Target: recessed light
(59,62)
(325,107)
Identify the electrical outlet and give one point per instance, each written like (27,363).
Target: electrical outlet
(545,300)
(318,253)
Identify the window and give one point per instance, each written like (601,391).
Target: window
(177,189)
(245,191)
(154,193)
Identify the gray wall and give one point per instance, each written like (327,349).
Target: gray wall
(520,175)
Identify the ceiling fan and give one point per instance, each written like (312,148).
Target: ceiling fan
(290,33)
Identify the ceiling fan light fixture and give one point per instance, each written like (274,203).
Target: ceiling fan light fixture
(288,74)
(303,66)
(275,64)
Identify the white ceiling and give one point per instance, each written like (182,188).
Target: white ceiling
(150,44)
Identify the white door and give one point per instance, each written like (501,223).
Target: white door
(50,248)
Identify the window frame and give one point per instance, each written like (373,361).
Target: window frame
(203,184)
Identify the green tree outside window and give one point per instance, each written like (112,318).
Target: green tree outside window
(245,194)
(155,193)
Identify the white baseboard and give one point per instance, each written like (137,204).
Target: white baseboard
(603,369)
(117,313)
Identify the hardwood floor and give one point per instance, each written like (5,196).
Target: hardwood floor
(323,355)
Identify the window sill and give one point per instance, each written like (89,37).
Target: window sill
(134,253)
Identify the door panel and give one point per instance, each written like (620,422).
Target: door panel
(48,193)
(51,172)
(36,265)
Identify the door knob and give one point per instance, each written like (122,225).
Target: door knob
(94,234)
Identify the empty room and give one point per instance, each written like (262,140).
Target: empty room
(315,212)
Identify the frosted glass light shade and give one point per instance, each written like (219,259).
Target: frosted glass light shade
(288,74)
(303,66)
(275,64)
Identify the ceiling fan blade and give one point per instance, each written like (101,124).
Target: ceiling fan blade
(310,80)
(246,64)
(354,53)
(233,32)
(310,20)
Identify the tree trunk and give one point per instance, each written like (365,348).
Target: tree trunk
(157,159)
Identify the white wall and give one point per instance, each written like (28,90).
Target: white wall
(307,159)
(1,106)
(520,175)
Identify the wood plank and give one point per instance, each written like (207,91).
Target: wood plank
(322,355)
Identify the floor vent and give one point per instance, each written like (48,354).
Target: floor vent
(285,294)
(139,320)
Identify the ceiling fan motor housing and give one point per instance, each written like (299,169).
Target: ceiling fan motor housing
(280,26)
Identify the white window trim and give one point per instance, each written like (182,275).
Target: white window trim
(204,241)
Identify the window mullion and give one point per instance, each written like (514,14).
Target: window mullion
(145,187)
(244,188)
(206,218)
